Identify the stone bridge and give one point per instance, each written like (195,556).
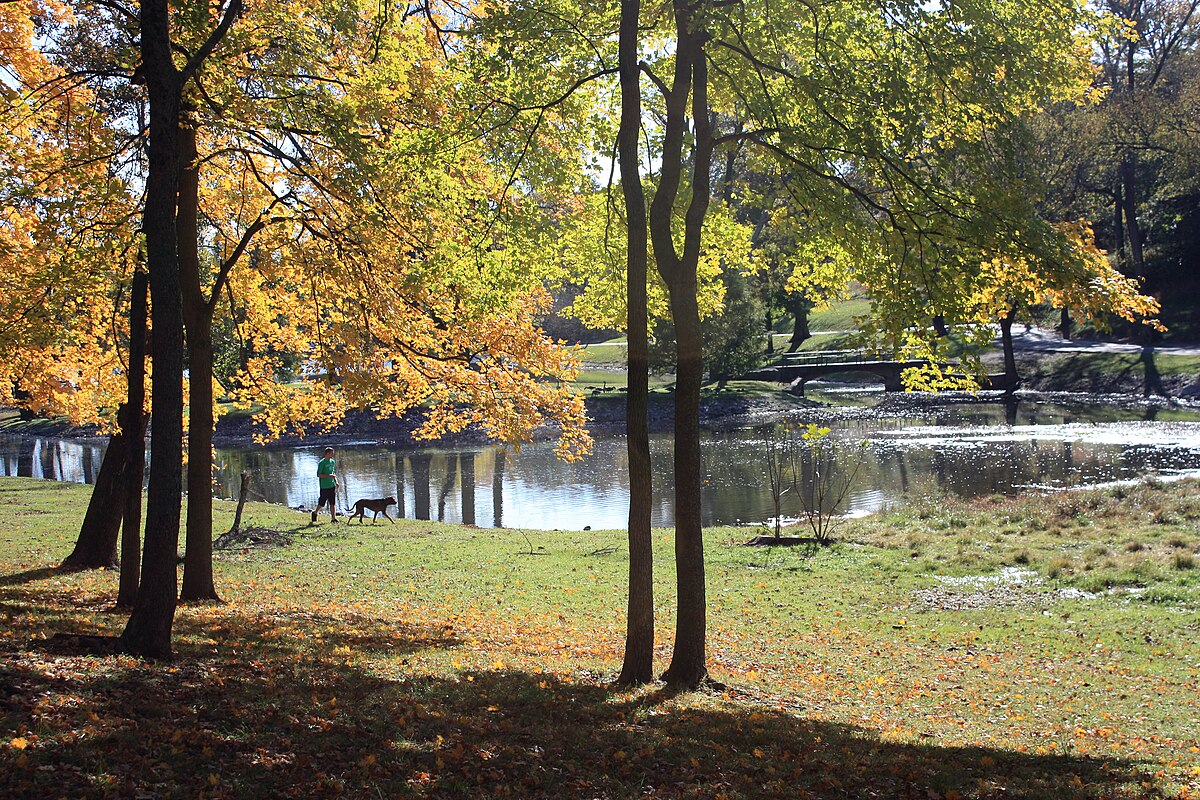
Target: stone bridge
(800,368)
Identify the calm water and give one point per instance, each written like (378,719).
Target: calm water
(966,450)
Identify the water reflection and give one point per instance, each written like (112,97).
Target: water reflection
(966,450)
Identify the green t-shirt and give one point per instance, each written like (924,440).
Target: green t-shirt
(325,470)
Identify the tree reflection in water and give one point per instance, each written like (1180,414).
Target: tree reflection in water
(966,450)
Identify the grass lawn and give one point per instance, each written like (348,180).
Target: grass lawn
(1103,371)
(840,315)
(1038,648)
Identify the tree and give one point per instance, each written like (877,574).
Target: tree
(866,108)
(854,120)
(133,423)
(732,334)
(148,632)
(245,136)
(1079,278)
(1124,157)
(67,246)
(637,666)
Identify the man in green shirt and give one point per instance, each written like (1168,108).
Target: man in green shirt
(327,477)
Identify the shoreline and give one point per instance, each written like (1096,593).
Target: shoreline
(728,410)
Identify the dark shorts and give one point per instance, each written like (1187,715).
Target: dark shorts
(327,496)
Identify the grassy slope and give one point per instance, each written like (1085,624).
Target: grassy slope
(839,316)
(1107,372)
(428,660)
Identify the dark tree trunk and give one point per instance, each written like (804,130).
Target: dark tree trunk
(800,331)
(1133,227)
(687,668)
(497,489)
(1119,225)
(96,546)
(638,665)
(400,510)
(1065,323)
(197,317)
(25,458)
(243,487)
(148,632)
(420,469)
(1153,379)
(135,464)
(467,466)
(447,485)
(1011,379)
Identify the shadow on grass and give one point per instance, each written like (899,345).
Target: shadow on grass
(30,575)
(301,704)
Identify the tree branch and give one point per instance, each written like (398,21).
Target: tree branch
(232,12)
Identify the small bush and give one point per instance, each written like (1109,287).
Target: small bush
(1134,547)
(1184,561)
(1163,517)
(1059,568)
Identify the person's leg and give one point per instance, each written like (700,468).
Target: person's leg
(331,497)
(326,497)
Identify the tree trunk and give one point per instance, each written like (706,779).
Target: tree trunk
(401,513)
(1064,323)
(197,317)
(148,632)
(687,668)
(1011,380)
(1119,225)
(1153,379)
(1133,227)
(25,458)
(638,664)
(197,565)
(96,547)
(243,486)
(800,331)
(135,463)
(420,469)
(467,466)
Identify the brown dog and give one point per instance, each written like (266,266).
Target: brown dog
(378,506)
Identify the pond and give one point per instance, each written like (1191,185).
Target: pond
(968,450)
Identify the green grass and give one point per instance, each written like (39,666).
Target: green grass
(603,380)
(611,352)
(840,316)
(1106,371)
(820,340)
(427,660)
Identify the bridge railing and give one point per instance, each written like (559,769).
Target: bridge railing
(814,358)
